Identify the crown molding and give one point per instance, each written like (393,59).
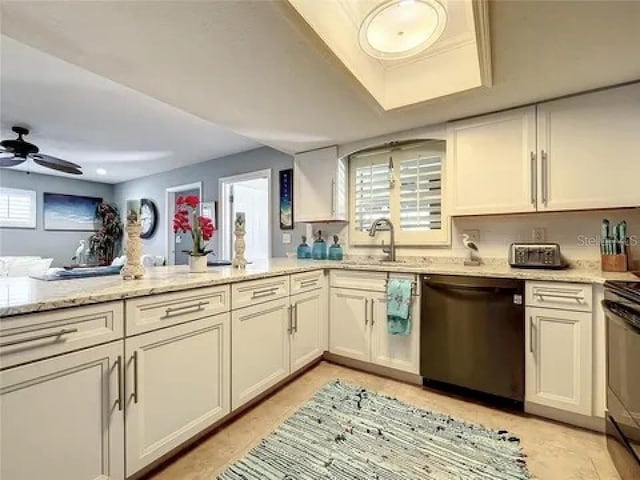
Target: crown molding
(483,40)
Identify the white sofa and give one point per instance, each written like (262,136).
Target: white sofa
(24,266)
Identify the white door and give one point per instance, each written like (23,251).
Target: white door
(177,385)
(589,150)
(249,194)
(309,314)
(491,163)
(395,351)
(320,186)
(61,419)
(349,332)
(260,349)
(558,359)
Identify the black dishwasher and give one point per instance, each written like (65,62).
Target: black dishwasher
(472,334)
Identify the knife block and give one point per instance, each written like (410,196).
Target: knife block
(615,263)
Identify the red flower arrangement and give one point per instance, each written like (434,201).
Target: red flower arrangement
(186,219)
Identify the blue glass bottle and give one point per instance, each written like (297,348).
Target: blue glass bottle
(319,251)
(304,251)
(335,250)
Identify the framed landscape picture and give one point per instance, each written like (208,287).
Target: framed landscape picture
(70,212)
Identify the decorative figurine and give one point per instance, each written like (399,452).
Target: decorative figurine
(133,268)
(472,260)
(239,246)
(81,254)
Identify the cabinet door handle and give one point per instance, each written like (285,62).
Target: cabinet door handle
(333,196)
(542,296)
(545,180)
(194,307)
(531,334)
(534,179)
(372,300)
(295,318)
(135,394)
(118,366)
(59,333)
(366,311)
(289,320)
(308,283)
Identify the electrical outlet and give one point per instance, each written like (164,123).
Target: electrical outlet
(538,235)
(474,235)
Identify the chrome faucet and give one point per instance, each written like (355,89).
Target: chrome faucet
(391,249)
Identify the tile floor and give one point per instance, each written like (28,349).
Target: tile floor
(555,451)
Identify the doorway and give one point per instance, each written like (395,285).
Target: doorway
(249,193)
(180,243)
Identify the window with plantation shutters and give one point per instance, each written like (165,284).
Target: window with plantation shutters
(17,208)
(404,184)
(371,191)
(421,193)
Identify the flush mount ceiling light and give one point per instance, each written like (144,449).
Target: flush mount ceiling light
(401,28)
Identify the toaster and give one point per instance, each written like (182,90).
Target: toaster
(536,255)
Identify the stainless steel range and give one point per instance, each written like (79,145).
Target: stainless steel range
(622,309)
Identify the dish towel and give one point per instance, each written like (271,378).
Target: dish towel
(399,306)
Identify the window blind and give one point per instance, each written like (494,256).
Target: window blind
(421,193)
(17,208)
(372,192)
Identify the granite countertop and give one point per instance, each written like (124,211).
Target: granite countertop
(26,295)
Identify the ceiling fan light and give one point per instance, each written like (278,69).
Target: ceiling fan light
(398,29)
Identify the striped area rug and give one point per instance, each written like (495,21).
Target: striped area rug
(346,433)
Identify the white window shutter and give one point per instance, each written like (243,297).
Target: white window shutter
(17,208)
(372,191)
(421,193)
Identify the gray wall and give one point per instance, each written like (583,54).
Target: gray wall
(154,187)
(48,244)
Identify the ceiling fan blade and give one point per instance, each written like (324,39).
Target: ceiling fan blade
(53,160)
(10,161)
(57,166)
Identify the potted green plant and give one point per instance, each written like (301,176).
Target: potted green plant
(104,244)
(186,219)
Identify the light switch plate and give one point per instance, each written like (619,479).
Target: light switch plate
(286,238)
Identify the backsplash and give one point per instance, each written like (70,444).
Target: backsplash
(578,234)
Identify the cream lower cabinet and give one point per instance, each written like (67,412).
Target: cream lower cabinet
(177,385)
(61,418)
(349,333)
(309,327)
(358,330)
(401,352)
(260,349)
(558,359)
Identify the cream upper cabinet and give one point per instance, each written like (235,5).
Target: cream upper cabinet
(320,186)
(588,148)
(558,361)
(62,418)
(492,162)
(177,385)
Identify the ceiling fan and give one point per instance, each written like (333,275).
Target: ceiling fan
(16,151)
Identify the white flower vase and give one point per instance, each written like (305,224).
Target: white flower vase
(198,264)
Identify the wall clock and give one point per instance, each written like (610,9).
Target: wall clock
(148,217)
